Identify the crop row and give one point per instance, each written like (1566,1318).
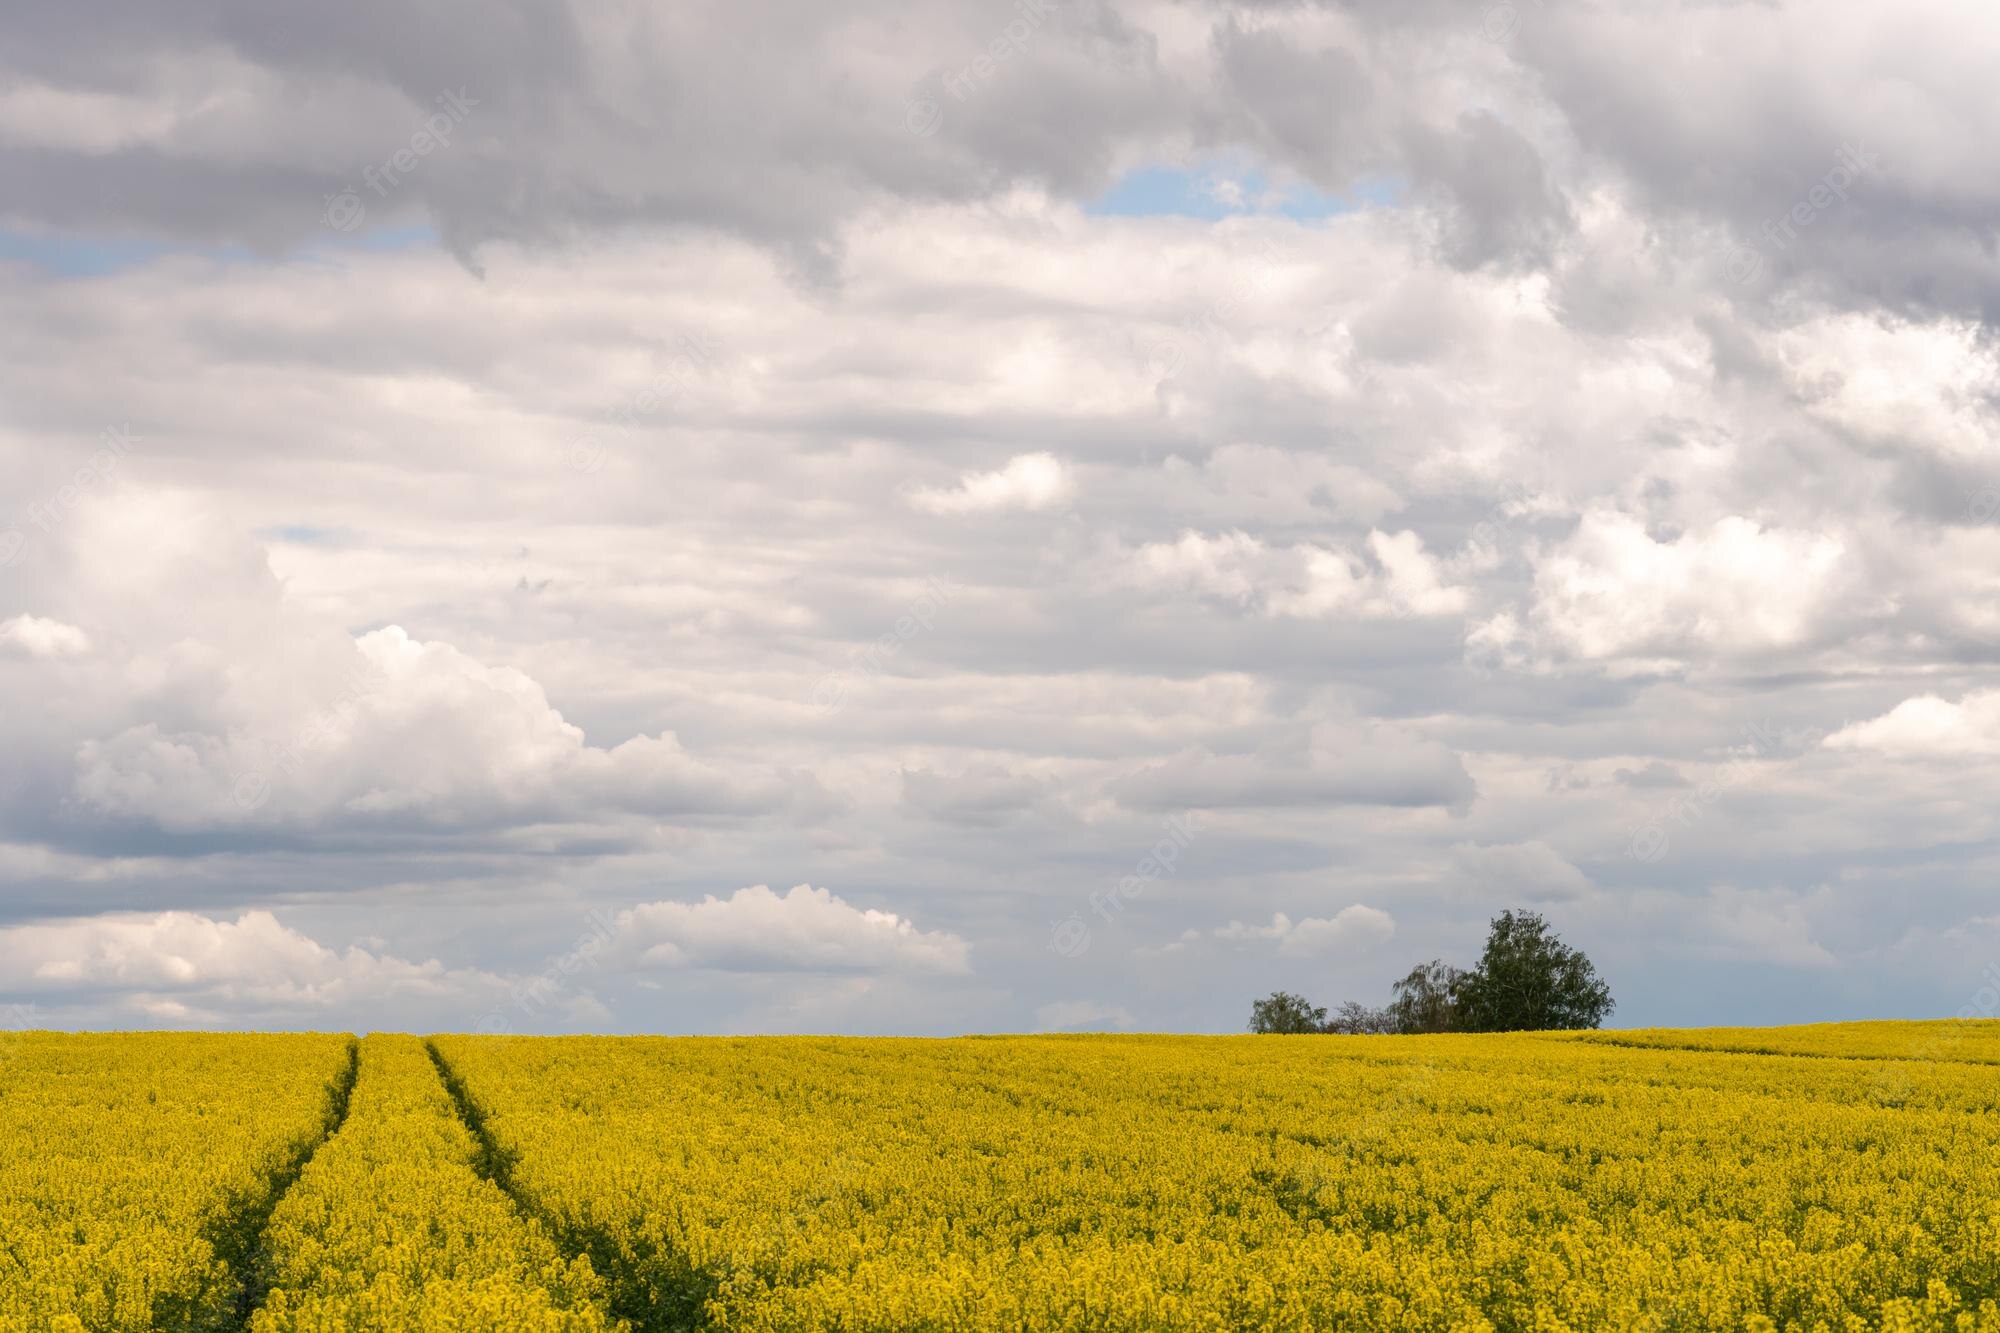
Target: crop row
(391,1224)
(1961,1040)
(135,1169)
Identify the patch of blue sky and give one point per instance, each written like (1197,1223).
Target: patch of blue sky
(86,256)
(1221,190)
(300,534)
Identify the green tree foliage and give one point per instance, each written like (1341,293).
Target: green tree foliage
(1427,1000)
(1526,980)
(1529,980)
(1284,1012)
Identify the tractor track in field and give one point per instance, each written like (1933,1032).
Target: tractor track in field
(241,1244)
(1912,1057)
(496,1165)
(632,1298)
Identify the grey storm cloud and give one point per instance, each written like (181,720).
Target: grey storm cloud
(1809,159)
(233,122)
(1378,769)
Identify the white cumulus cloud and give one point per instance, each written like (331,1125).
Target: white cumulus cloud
(803,930)
(1928,727)
(1029,481)
(1396,579)
(1313,937)
(33,636)
(418,734)
(1612,593)
(1531,871)
(185,964)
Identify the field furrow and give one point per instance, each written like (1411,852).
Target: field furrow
(136,1170)
(391,1224)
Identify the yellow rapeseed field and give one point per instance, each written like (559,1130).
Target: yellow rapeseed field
(1837,1177)
(1488,1182)
(132,1164)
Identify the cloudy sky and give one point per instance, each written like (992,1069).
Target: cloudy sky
(768,516)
